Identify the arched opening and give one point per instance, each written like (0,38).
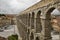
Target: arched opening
(32,36)
(38,22)
(37,38)
(48,16)
(32,20)
(49,25)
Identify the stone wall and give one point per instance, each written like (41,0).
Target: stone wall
(34,23)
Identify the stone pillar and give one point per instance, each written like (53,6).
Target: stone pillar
(29,24)
(32,23)
(28,30)
(26,23)
(46,30)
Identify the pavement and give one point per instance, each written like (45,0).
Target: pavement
(12,29)
(55,36)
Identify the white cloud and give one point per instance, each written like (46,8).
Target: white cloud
(15,6)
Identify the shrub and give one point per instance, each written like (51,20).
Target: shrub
(13,37)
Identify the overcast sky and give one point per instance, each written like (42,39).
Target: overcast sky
(16,6)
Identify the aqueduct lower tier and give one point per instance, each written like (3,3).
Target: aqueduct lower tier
(34,22)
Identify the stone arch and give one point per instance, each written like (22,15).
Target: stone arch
(48,13)
(37,38)
(32,20)
(32,36)
(46,24)
(38,22)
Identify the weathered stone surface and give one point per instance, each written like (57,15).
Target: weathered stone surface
(42,20)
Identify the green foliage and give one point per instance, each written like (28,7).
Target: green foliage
(13,37)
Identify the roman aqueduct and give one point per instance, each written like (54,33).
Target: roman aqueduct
(34,22)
